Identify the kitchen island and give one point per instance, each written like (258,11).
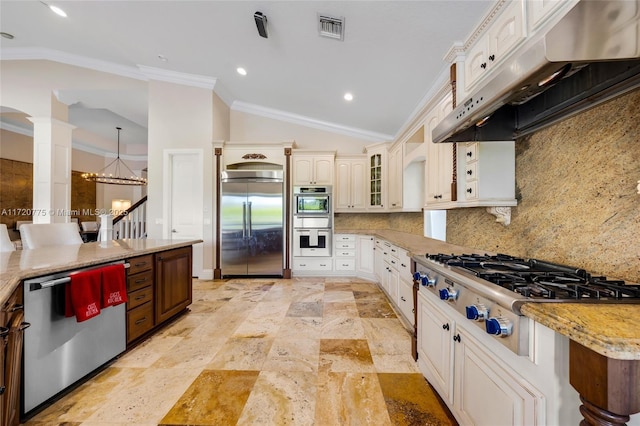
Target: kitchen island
(23,264)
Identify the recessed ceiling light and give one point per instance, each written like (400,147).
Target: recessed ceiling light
(7,35)
(241,71)
(162,58)
(348,96)
(56,10)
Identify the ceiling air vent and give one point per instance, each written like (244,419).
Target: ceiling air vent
(331,27)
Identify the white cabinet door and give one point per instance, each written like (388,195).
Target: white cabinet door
(313,169)
(365,255)
(378,256)
(435,346)
(395,177)
(439,159)
(405,300)
(486,394)
(350,192)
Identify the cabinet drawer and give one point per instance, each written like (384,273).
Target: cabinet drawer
(394,251)
(138,281)
(139,321)
(471,171)
(345,264)
(404,266)
(140,264)
(138,297)
(345,245)
(344,237)
(471,152)
(471,191)
(313,264)
(345,253)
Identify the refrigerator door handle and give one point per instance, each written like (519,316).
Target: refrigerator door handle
(244,221)
(249,220)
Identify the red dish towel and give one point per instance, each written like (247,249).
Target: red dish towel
(83,295)
(114,285)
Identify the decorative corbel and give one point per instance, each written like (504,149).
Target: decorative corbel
(502,214)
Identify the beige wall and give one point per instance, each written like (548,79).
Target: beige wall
(577,197)
(411,223)
(253,128)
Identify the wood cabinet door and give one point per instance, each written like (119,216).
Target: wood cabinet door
(173,282)
(13,367)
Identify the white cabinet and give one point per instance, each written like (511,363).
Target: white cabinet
(344,249)
(396,158)
(313,168)
(350,192)
(377,176)
(496,44)
(311,265)
(439,169)
(472,381)
(489,173)
(365,256)
(378,257)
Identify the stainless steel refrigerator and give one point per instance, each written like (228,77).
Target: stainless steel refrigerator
(251,220)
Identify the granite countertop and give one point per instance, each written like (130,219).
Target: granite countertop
(22,264)
(612,330)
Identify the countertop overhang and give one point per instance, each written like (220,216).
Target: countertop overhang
(19,265)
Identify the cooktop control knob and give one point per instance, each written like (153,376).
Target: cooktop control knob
(448,294)
(477,312)
(499,326)
(424,279)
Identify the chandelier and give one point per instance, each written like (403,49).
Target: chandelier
(115,173)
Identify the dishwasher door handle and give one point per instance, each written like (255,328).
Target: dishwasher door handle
(55,282)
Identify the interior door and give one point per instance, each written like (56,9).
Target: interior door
(264,233)
(233,223)
(186,190)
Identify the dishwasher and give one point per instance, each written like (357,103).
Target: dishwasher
(59,351)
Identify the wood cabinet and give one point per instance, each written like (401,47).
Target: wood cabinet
(495,45)
(140,283)
(173,291)
(159,286)
(350,192)
(472,381)
(377,176)
(11,338)
(313,168)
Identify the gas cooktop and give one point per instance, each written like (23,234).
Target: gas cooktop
(538,279)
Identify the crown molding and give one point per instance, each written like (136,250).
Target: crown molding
(37,53)
(309,122)
(194,80)
(74,144)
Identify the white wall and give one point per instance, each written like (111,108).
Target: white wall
(247,127)
(180,117)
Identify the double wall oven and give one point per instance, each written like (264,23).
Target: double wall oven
(312,221)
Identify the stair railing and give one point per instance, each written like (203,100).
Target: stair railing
(132,223)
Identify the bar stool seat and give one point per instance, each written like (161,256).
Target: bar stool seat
(37,235)
(5,242)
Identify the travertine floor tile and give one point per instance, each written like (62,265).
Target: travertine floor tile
(281,398)
(214,398)
(306,351)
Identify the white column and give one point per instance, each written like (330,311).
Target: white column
(51,170)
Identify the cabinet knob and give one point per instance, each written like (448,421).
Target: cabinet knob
(456,338)
(445,326)
(492,58)
(469,154)
(469,190)
(483,65)
(469,172)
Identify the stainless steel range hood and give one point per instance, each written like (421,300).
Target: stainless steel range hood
(592,55)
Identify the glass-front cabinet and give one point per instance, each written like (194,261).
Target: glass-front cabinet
(377,176)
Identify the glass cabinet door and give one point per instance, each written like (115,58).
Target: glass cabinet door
(376,180)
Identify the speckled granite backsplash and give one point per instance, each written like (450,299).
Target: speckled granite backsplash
(403,222)
(577,198)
